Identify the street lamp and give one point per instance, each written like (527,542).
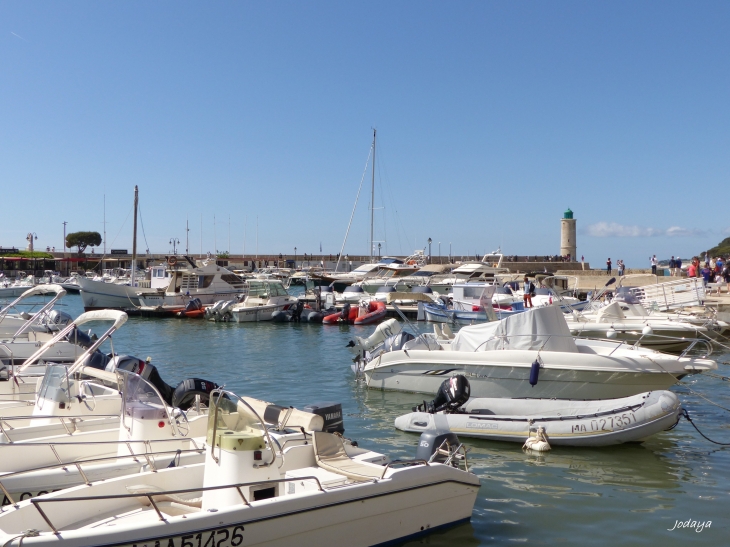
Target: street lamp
(29,239)
(174,242)
(429,250)
(295,257)
(378,251)
(439,252)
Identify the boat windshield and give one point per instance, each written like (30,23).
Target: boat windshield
(55,385)
(230,417)
(138,392)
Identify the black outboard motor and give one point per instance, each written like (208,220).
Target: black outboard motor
(453,393)
(296,314)
(186,391)
(148,371)
(345,314)
(194,305)
(431,440)
(80,338)
(332,414)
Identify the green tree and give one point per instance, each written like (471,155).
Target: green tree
(83,240)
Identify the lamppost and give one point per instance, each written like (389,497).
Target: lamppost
(449,252)
(378,251)
(295,257)
(174,242)
(29,239)
(429,250)
(439,252)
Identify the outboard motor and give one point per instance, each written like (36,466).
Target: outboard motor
(186,391)
(80,338)
(57,318)
(345,314)
(452,394)
(434,439)
(146,370)
(296,314)
(331,413)
(194,305)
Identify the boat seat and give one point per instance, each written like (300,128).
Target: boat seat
(329,452)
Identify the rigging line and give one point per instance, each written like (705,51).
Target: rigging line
(116,236)
(364,172)
(147,246)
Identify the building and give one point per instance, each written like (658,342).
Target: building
(567,236)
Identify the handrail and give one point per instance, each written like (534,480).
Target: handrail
(149,495)
(78,463)
(261,421)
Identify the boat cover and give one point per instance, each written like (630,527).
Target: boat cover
(539,328)
(610,313)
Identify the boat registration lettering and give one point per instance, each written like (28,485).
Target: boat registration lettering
(223,537)
(610,423)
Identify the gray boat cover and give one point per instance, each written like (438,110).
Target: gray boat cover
(539,328)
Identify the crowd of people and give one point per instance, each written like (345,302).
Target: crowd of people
(713,270)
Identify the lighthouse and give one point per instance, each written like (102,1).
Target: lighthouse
(567,235)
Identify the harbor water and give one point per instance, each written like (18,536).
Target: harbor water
(640,494)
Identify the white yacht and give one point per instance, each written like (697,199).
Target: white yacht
(207,282)
(529,354)
(485,270)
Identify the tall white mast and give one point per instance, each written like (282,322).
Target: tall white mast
(134,237)
(372,200)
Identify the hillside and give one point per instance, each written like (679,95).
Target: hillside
(722,249)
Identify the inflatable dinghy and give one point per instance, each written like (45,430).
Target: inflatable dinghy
(565,422)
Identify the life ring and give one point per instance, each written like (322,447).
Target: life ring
(172,261)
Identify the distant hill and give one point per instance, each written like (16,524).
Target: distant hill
(723,248)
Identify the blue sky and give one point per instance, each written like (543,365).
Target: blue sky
(492,118)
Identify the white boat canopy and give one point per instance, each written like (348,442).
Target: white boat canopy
(537,329)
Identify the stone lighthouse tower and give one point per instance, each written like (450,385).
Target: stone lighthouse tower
(567,235)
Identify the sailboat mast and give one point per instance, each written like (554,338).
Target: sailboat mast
(372,200)
(134,237)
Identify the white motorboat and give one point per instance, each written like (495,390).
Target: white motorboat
(14,288)
(207,282)
(485,270)
(263,299)
(656,332)
(19,381)
(44,319)
(501,358)
(259,486)
(562,422)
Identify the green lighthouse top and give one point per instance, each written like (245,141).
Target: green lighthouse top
(568,214)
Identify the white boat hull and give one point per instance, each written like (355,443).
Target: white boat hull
(506,373)
(97,295)
(571,423)
(365,514)
(257,313)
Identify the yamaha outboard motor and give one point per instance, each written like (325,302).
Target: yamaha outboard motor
(433,439)
(297,312)
(186,391)
(332,414)
(453,393)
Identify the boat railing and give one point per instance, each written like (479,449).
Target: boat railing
(68,422)
(148,457)
(151,495)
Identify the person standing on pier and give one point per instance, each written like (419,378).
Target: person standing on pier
(672,266)
(608,266)
(653,265)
